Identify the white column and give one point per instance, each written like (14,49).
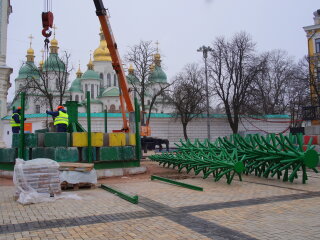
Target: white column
(5,71)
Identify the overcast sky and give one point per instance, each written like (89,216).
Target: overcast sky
(181,26)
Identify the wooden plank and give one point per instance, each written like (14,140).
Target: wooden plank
(80,167)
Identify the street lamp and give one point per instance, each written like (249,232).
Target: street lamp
(205,51)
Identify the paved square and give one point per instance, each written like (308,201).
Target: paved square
(255,208)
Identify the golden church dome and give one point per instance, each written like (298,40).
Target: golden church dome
(54,42)
(30,51)
(102,52)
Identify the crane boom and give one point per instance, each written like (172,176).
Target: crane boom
(115,56)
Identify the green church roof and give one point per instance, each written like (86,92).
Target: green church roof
(132,79)
(90,75)
(113,92)
(54,63)
(17,103)
(76,86)
(158,75)
(28,70)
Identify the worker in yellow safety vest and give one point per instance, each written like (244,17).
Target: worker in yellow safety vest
(15,120)
(61,119)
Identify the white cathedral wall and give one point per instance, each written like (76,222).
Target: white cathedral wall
(90,83)
(105,68)
(170,128)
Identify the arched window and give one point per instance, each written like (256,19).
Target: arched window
(86,87)
(37,108)
(112,108)
(98,90)
(115,80)
(57,83)
(92,91)
(77,98)
(101,76)
(108,80)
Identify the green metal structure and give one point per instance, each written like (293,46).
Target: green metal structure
(185,185)
(89,152)
(133,199)
(264,156)
(72,110)
(22,147)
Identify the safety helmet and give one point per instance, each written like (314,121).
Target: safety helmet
(60,107)
(19,108)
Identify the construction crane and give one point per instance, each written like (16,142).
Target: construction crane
(125,100)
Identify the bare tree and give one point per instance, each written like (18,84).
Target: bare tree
(233,66)
(269,92)
(142,57)
(310,70)
(188,95)
(48,84)
(299,92)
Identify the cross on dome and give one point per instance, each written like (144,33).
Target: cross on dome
(31,37)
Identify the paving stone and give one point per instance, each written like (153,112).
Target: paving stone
(69,154)
(117,139)
(109,154)
(40,137)
(106,139)
(55,139)
(256,208)
(8,154)
(84,152)
(80,139)
(131,139)
(31,140)
(59,154)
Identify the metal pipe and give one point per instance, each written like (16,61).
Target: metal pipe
(137,121)
(21,150)
(89,152)
(106,120)
(205,51)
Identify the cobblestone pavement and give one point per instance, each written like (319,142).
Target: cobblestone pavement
(255,208)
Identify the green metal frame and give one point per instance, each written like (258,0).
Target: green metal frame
(21,150)
(72,110)
(133,199)
(89,152)
(185,185)
(106,120)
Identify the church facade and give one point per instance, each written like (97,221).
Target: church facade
(99,79)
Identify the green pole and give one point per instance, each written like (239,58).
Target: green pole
(21,150)
(89,153)
(137,120)
(106,120)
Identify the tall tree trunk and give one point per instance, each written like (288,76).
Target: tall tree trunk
(184,126)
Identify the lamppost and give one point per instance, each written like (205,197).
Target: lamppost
(205,51)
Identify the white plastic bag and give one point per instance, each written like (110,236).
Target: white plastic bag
(36,180)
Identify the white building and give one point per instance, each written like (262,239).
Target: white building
(5,71)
